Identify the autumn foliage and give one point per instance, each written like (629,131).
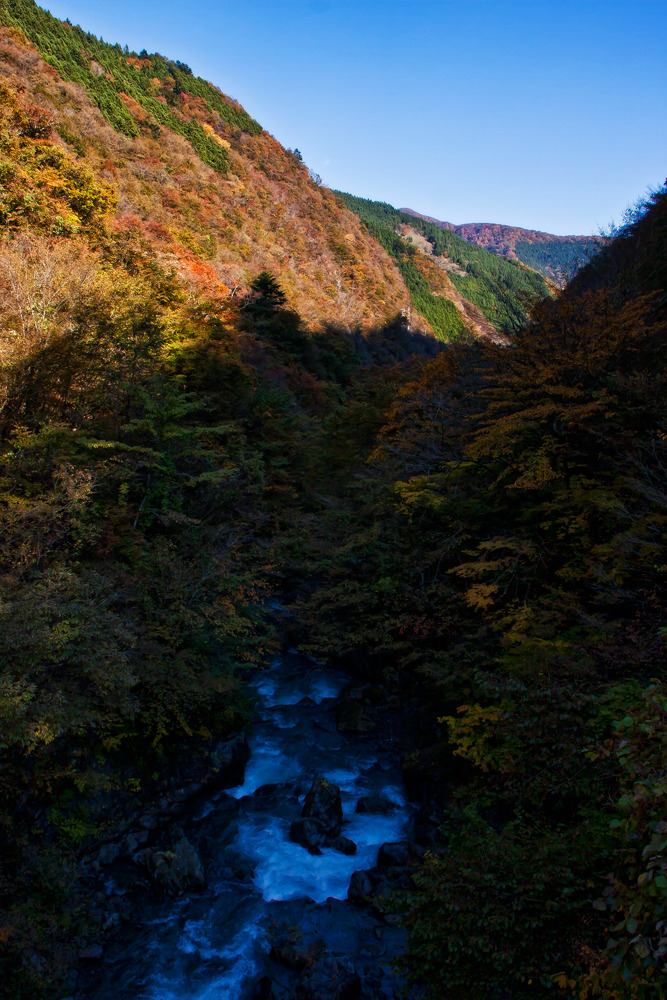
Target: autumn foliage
(210,397)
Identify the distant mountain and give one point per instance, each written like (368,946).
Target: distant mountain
(456,286)
(558,258)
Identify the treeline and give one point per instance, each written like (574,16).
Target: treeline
(502,289)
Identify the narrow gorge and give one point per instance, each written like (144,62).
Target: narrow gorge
(272,916)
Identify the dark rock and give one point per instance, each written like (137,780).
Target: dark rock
(373,951)
(344,845)
(108,854)
(93,953)
(325,725)
(178,870)
(229,759)
(148,822)
(323,804)
(111,922)
(227,833)
(268,989)
(288,953)
(131,843)
(190,791)
(376,804)
(395,855)
(134,841)
(143,858)
(360,887)
(351,718)
(266,791)
(307,832)
(332,977)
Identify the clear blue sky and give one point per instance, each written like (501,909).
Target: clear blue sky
(547,114)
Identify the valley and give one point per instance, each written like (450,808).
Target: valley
(332,569)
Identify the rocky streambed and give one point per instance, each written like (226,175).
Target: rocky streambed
(280,886)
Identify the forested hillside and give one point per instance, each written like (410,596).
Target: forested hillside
(501,291)
(504,575)
(211,407)
(195,178)
(558,258)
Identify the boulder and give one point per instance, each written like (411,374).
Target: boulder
(352,718)
(360,887)
(395,855)
(108,854)
(344,845)
(269,989)
(93,953)
(289,953)
(178,870)
(307,832)
(376,804)
(332,977)
(134,841)
(229,759)
(148,822)
(323,805)
(267,791)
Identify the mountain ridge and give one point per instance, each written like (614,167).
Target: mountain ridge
(560,255)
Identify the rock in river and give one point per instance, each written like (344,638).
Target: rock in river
(323,804)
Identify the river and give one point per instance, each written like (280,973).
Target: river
(261,887)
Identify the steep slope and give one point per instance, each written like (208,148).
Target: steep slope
(216,197)
(491,295)
(556,257)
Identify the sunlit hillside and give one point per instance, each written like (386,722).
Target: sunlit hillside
(193,176)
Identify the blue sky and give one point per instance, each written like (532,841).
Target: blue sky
(548,115)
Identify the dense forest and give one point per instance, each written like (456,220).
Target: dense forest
(476,529)
(561,259)
(503,290)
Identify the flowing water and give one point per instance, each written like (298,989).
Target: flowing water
(213,945)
